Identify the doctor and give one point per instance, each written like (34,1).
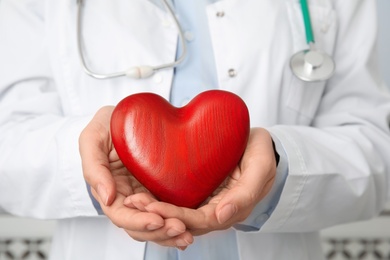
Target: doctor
(331,137)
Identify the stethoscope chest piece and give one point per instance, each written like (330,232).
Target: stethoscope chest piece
(312,65)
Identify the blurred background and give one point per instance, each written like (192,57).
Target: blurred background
(22,238)
(384,38)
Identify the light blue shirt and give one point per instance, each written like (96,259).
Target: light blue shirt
(197,72)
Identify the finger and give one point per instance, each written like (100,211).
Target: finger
(199,221)
(94,147)
(173,234)
(181,241)
(132,219)
(139,201)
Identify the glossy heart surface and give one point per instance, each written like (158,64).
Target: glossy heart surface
(181,155)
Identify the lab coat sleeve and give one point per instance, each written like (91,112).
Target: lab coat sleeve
(40,168)
(339,165)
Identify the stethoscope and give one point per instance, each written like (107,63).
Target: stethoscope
(137,72)
(309,65)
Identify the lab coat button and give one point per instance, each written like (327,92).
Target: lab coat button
(220,14)
(325,27)
(157,78)
(189,36)
(232,73)
(167,23)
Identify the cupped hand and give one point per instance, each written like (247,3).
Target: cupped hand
(111,183)
(234,200)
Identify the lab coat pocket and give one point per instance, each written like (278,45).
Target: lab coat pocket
(304,97)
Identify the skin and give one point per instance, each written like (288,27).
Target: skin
(131,207)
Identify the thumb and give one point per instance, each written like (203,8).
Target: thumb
(102,188)
(236,205)
(94,148)
(238,202)
(251,180)
(98,176)
(226,212)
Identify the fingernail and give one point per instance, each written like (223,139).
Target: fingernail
(172,232)
(182,243)
(101,190)
(153,226)
(182,248)
(226,213)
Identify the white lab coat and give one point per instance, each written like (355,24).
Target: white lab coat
(335,134)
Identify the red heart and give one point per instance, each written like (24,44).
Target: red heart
(181,155)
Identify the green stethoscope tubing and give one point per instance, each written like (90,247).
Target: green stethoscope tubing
(307,22)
